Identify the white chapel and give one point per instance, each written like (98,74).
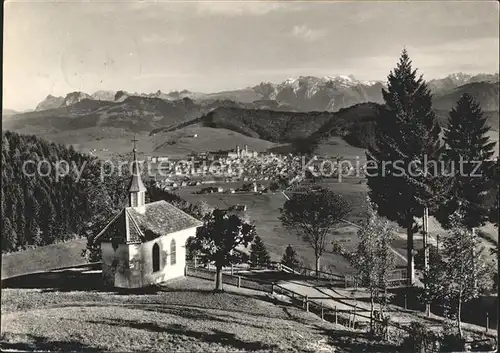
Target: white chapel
(145,243)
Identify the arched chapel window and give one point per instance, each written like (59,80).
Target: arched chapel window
(156,258)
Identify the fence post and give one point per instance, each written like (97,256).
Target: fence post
(186,270)
(272,288)
(487,321)
(336,316)
(307,304)
(406,303)
(239,281)
(354,315)
(322,312)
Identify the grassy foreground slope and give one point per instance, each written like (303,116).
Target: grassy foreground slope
(187,316)
(43,258)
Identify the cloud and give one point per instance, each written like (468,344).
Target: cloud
(306,33)
(229,8)
(154,38)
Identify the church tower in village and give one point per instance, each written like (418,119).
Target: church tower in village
(137,190)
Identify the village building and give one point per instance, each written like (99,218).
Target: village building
(145,243)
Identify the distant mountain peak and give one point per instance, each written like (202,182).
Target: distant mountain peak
(454,80)
(104,95)
(50,102)
(75,97)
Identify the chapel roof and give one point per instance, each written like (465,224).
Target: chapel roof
(158,218)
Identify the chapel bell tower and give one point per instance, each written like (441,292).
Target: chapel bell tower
(137,190)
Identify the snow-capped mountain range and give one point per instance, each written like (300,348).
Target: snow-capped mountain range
(321,93)
(455,80)
(304,93)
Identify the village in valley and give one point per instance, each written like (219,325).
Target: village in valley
(317,213)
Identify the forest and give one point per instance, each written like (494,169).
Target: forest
(42,208)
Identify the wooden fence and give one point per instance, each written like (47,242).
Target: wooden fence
(397,277)
(346,317)
(235,280)
(353,317)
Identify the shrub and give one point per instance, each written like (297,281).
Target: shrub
(381,325)
(451,341)
(420,339)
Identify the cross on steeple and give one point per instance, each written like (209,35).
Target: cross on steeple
(134,140)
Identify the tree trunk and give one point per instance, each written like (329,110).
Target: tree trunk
(409,246)
(459,314)
(371,311)
(218,279)
(386,327)
(473,255)
(425,224)
(317,266)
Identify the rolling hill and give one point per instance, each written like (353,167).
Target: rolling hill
(8,113)
(485,93)
(278,126)
(134,114)
(183,142)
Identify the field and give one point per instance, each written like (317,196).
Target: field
(182,142)
(108,141)
(264,211)
(185,316)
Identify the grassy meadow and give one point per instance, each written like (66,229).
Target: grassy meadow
(264,211)
(185,316)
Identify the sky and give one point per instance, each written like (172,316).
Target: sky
(140,46)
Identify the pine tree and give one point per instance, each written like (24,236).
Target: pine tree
(9,236)
(401,179)
(467,147)
(290,258)
(259,257)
